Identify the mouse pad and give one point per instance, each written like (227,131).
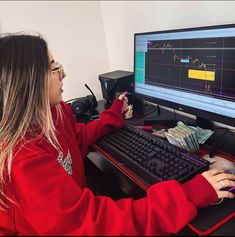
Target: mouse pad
(212,217)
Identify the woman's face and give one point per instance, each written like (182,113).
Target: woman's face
(55,84)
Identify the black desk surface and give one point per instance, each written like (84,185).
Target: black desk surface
(213,220)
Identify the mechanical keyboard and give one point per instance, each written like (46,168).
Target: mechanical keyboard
(150,157)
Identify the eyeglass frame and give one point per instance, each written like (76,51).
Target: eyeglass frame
(59,68)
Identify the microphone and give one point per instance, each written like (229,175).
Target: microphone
(89,89)
(92,98)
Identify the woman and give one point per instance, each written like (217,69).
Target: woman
(43,187)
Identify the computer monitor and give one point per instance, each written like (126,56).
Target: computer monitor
(190,70)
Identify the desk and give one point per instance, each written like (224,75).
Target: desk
(133,186)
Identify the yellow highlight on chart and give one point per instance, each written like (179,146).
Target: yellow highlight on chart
(201,75)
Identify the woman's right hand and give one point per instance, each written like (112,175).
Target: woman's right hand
(123,98)
(220,181)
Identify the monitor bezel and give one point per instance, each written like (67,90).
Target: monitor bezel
(199,113)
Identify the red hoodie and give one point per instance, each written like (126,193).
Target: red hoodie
(51,198)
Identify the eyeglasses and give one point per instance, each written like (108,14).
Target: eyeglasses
(59,68)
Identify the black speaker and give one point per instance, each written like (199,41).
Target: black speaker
(115,82)
(83,105)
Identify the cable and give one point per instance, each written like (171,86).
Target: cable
(152,111)
(94,117)
(174,115)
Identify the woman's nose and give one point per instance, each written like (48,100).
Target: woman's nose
(63,75)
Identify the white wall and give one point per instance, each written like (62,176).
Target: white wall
(124,18)
(75,34)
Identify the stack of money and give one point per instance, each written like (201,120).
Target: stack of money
(187,137)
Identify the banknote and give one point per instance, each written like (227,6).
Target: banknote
(179,137)
(191,133)
(175,141)
(203,134)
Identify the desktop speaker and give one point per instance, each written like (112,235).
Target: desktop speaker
(116,82)
(84,105)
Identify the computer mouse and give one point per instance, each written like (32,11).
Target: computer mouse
(232,190)
(218,162)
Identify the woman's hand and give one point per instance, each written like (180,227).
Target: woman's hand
(220,181)
(123,98)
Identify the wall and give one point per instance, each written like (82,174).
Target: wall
(124,18)
(75,34)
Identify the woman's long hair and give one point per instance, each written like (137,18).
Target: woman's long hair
(24,96)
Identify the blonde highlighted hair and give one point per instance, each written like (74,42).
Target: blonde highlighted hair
(24,96)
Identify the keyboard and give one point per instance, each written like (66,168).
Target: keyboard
(149,157)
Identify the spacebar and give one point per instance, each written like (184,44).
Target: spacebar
(128,162)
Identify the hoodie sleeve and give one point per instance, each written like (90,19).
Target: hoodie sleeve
(87,134)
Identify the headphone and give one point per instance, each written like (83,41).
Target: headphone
(80,106)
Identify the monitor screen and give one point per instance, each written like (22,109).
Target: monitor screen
(190,70)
